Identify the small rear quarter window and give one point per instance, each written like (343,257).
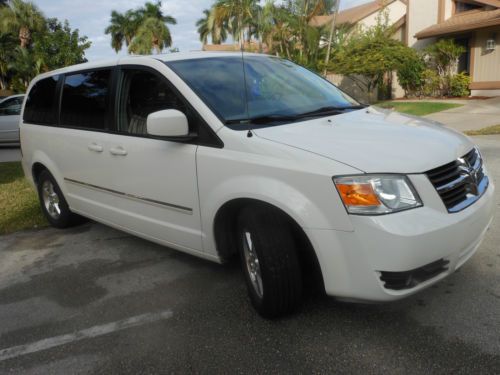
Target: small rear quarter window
(41,102)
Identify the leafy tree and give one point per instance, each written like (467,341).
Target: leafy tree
(23,18)
(31,44)
(59,46)
(371,55)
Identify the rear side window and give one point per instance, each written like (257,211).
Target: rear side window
(41,102)
(85,100)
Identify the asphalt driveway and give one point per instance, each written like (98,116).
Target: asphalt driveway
(96,300)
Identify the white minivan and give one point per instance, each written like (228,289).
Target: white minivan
(220,154)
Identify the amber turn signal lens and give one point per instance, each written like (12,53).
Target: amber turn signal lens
(358,195)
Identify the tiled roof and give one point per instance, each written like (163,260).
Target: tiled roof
(471,20)
(351,15)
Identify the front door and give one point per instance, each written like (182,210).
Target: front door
(152,181)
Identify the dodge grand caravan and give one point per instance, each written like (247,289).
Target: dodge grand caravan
(217,155)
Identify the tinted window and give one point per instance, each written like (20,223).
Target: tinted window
(274,87)
(85,100)
(141,94)
(11,107)
(41,102)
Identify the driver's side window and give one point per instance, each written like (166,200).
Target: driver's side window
(142,93)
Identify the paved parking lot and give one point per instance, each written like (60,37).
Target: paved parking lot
(96,300)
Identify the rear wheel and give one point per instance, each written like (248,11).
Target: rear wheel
(54,205)
(269,260)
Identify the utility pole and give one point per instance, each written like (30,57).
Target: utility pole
(330,39)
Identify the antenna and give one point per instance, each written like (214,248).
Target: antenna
(249,133)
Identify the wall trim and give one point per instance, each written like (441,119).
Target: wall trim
(485,85)
(472,55)
(441,11)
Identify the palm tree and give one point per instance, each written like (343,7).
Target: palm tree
(153,10)
(25,67)
(203,26)
(278,28)
(153,32)
(240,15)
(123,27)
(207,28)
(22,18)
(7,46)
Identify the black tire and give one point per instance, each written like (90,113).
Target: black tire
(273,242)
(64,218)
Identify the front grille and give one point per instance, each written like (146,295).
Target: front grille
(461,182)
(410,279)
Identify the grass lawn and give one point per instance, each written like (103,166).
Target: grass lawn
(485,131)
(19,207)
(418,108)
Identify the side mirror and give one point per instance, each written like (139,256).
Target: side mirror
(169,123)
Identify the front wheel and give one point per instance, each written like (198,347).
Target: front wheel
(54,205)
(269,260)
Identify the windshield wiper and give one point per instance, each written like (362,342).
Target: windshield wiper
(330,110)
(264,119)
(267,119)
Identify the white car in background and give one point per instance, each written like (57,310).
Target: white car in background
(10,114)
(216,155)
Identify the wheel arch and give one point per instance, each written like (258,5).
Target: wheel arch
(36,169)
(41,161)
(225,229)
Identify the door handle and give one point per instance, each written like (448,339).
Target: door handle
(119,150)
(95,147)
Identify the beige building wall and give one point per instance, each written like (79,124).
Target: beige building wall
(421,14)
(396,9)
(486,64)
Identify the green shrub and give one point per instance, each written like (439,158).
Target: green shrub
(411,74)
(459,85)
(431,83)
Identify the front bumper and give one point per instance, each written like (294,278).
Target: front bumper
(352,262)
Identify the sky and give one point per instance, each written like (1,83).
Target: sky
(92,17)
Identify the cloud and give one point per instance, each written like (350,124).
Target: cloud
(92,17)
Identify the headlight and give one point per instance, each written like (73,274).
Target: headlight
(377,194)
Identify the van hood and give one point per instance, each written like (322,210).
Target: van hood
(374,140)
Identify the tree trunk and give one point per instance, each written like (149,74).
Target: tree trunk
(24,36)
(242,39)
(156,45)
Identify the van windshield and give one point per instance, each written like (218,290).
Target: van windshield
(277,90)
